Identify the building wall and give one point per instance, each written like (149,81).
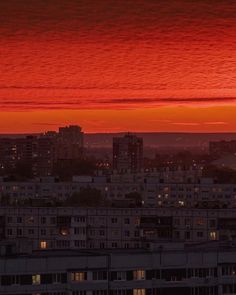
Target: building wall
(202,272)
(81,228)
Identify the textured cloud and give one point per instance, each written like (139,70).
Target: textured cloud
(122,55)
(128,103)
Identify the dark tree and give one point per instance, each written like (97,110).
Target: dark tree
(87,197)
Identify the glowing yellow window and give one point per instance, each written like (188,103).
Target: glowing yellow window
(43,245)
(36,279)
(213,235)
(139,274)
(139,291)
(78,276)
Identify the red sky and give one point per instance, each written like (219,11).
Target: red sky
(118,65)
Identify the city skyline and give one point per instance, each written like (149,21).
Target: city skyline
(113,67)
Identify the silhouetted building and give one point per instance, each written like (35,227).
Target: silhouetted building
(127,153)
(39,153)
(71,134)
(69,143)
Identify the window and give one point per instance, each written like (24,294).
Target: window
(36,279)
(100,292)
(99,275)
(19,232)
(115,232)
(102,232)
(114,220)
(139,291)
(118,276)
(78,276)
(31,231)
(43,232)
(43,245)
(127,221)
(136,233)
(139,274)
(200,221)
(187,221)
(80,243)
(64,231)
(137,221)
(102,245)
(127,233)
(43,220)
(187,235)
(9,232)
(59,278)
(19,219)
(80,219)
(53,220)
(213,235)
(177,221)
(114,245)
(212,223)
(9,219)
(79,231)
(200,234)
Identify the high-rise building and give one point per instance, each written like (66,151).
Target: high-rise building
(69,143)
(71,134)
(127,153)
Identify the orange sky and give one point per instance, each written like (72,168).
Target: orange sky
(118,65)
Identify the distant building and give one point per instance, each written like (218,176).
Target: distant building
(127,153)
(41,152)
(69,143)
(71,134)
(220,148)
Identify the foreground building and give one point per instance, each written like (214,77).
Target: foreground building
(107,228)
(207,269)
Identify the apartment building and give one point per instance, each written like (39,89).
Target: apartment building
(128,153)
(157,189)
(175,269)
(107,228)
(42,151)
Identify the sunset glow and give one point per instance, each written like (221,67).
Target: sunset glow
(113,66)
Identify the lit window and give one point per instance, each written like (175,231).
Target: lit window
(139,274)
(139,291)
(36,279)
(43,245)
(213,235)
(78,276)
(181,203)
(64,231)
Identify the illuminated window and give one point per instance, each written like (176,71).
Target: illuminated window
(213,235)
(139,291)
(181,203)
(64,231)
(78,276)
(139,274)
(43,245)
(36,279)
